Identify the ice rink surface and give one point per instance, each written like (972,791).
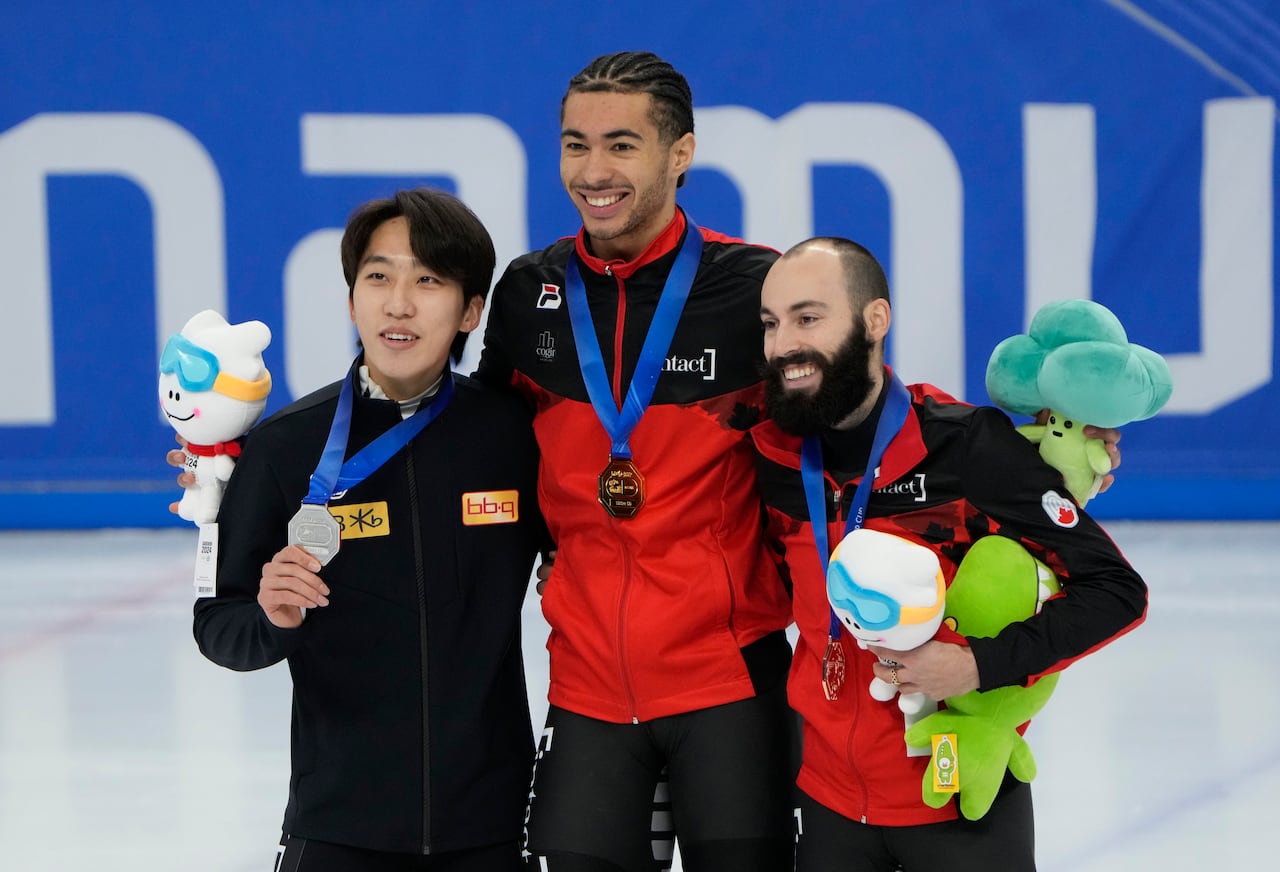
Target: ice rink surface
(123,750)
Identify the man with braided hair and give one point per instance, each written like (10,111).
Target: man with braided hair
(637,344)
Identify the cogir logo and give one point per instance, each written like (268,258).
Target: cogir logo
(490,507)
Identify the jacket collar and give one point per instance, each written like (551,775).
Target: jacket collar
(663,244)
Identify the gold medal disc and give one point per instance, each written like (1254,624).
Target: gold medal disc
(621,488)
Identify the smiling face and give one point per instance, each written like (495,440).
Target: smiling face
(823,359)
(205,417)
(406,313)
(617,171)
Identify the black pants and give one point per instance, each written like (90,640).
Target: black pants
(309,855)
(1003,839)
(729,770)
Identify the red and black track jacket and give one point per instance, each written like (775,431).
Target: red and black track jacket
(649,614)
(953,474)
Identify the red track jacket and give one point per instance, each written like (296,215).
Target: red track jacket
(953,473)
(649,614)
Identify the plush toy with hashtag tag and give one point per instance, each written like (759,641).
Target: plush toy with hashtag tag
(213,387)
(997,583)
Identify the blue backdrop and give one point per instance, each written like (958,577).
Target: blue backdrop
(156,160)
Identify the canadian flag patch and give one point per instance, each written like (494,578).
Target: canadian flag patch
(1060,510)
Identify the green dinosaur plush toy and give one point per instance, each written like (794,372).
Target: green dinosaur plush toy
(997,583)
(1076,361)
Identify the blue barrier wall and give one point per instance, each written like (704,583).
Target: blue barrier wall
(156,161)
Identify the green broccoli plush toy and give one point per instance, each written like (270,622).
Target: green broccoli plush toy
(1076,361)
(975,738)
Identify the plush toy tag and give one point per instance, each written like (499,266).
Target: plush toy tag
(946,764)
(206,574)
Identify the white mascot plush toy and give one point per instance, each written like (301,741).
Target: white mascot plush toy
(213,387)
(888,592)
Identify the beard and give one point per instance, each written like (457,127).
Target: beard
(846,384)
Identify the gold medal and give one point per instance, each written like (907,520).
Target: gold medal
(621,488)
(833,668)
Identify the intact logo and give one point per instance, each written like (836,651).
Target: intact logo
(490,507)
(1060,510)
(546,349)
(912,487)
(704,365)
(551,298)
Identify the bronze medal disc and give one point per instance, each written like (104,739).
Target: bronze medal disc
(833,669)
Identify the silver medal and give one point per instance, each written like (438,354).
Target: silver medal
(316,532)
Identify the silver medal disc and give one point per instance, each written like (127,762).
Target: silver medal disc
(316,532)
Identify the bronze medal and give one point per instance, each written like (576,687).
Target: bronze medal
(621,488)
(833,668)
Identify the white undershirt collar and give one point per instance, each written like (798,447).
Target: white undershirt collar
(372,390)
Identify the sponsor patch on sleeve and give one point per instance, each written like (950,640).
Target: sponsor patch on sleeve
(550,298)
(490,507)
(1060,510)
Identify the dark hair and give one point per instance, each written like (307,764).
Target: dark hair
(443,233)
(641,72)
(864,278)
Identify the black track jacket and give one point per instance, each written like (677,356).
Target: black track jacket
(410,724)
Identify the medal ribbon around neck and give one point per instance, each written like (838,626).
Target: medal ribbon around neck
(333,475)
(892,417)
(619,423)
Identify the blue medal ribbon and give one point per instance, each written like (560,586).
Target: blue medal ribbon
(619,423)
(332,475)
(897,404)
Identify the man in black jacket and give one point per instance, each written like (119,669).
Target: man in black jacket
(411,741)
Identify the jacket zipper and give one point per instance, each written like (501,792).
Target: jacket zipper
(623,671)
(420,578)
(837,500)
(850,757)
(618,330)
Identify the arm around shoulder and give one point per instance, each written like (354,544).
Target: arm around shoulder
(1101,596)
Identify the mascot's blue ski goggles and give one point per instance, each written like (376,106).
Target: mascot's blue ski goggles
(874,610)
(197,370)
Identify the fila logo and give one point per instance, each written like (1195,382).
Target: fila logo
(704,365)
(551,297)
(1060,510)
(546,349)
(490,507)
(912,487)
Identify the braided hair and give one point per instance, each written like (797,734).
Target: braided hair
(641,72)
